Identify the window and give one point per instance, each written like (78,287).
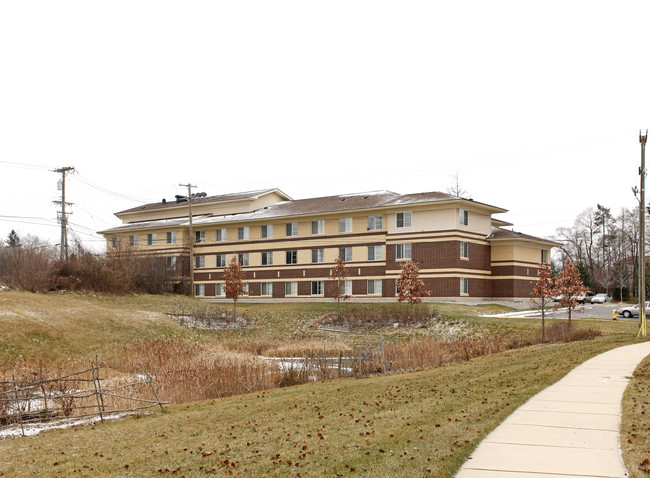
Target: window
(199,290)
(199,237)
(464,286)
(267,258)
(267,232)
(374,253)
(221,235)
(221,260)
(199,262)
(171,237)
(463,217)
(402,251)
(374,223)
(151,239)
(133,240)
(464,250)
(170,263)
(292,229)
(290,288)
(266,288)
(317,256)
(345,224)
(243,259)
(115,241)
(544,256)
(292,257)
(345,253)
(219,290)
(374,287)
(347,287)
(243,233)
(318,227)
(317,287)
(246,288)
(403,219)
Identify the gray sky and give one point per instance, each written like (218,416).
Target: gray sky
(536,105)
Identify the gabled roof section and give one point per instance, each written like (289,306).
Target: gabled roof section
(222,198)
(499,234)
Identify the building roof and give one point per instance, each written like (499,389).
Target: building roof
(504,234)
(164,204)
(298,207)
(339,203)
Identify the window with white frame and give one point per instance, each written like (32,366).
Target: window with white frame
(374,253)
(374,223)
(403,219)
(292,228)
(222,235)
(402,251)
(220,290)
(464,286)
(151,239)
(133,240)
(292,257)
(266,288)
(345,253)
(199,236)
(199,262)
(464,250)
(199,290)
(243,259)
(544,256)
(290,288)
(345,224)
(317,256)
(374,287)
(243,233)
(267,231)
(317,287)
(318,227)
(115,242)
(245,288)
(170,263)
(221,260)
(463,217)
(171,237)
(267,258)
(347,287)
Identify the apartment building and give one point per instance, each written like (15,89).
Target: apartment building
(288,247)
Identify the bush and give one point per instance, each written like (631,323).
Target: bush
(381,315)
(561,332)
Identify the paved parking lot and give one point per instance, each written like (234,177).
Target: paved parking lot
(587,311)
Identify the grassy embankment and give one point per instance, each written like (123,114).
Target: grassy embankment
(418,424)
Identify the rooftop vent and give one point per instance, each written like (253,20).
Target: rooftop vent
(164,201)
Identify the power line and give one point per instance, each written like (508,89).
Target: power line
(12,164)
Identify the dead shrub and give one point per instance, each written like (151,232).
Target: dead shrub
(561,332)
(381,315)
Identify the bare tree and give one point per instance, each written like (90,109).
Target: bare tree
(544,291)
(233,275)
(569,285)
(455,187)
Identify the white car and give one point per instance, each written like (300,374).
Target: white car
(600,299)
(633,310)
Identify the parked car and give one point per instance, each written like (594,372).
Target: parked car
(600,299)
(585,297)
(632,310)
(558,298)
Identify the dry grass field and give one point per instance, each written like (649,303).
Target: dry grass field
(422,423)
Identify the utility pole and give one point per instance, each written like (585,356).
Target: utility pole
(642,212)
(63,215)
(189,202)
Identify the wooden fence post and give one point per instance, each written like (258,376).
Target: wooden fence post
(98,393)
(20,413)
(151,385)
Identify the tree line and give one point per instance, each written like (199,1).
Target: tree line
(605,248)
(31,264)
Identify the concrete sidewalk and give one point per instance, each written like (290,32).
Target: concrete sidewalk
(569,429)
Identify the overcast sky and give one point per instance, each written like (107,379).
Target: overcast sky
(537,106)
